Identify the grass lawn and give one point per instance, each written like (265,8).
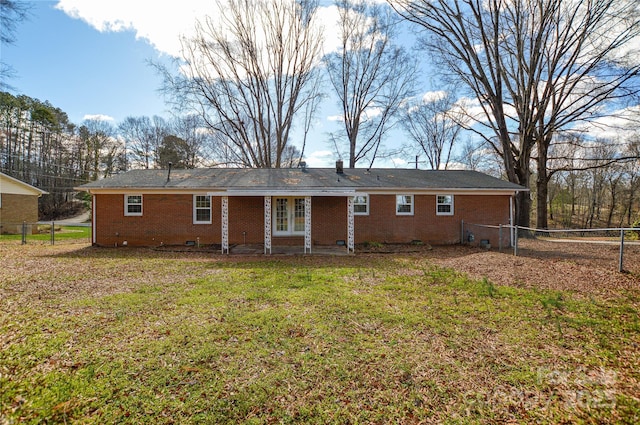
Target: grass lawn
(138,336)
(65,234)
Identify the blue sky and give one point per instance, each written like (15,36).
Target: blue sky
(83,71)
(91,58)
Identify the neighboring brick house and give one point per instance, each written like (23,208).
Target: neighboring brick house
(304,207)
(18,205)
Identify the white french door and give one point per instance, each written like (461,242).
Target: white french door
(288,214)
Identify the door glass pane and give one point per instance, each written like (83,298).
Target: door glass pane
(282,222)
(299,215)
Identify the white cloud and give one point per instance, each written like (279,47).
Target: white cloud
(320,159)
(336,118)
(370,113)
(432,96)
(619,124)
(160,23)
(470,107)
(163,23)
(454,165)
(328,16)
(97,117)
(394,163)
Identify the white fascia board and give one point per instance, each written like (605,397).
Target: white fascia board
(416,191)
(283,193)
(204,191)
(302,192)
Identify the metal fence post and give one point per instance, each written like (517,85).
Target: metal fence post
(461,232)
(620,262)
(53,233)
(24,233)
(500,238)
(515,239)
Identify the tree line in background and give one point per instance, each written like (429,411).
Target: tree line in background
(537,73)
(39,145)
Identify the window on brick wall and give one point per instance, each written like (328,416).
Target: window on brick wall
(133,205)
(201,209)
(444,205)
(404,204)
(361,205)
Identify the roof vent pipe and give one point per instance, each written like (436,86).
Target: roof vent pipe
(169,173)
(339,167)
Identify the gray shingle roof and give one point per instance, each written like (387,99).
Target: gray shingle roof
(293,179)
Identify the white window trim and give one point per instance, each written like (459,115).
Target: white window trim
(367,204)
(195,215)
(412,202)
(126,206)
(438,204)
(291,207)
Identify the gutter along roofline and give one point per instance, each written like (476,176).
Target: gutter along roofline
(300,192)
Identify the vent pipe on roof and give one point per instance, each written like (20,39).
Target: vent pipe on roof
(339,167)
(169,173)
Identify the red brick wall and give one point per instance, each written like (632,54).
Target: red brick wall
(383,225)
(16,209)
(328,220)
(168,220)
(246,214)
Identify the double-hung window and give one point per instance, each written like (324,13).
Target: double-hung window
(361,205)
(404,204)
(201,209)
(444,205)
(133,205)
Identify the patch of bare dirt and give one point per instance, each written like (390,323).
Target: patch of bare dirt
(582,268)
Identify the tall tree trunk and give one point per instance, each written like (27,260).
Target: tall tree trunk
(542,189)
(523,207)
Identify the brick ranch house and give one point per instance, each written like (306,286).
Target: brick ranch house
(18,204)
(303,207)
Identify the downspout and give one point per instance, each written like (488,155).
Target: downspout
(93,220)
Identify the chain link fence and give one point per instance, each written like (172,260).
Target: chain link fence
(611,247)
(50,233)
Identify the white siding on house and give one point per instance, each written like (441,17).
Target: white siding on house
(16,187)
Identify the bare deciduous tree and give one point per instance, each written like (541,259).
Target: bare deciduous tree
(105,154)
(536,67)
(143,137)
(370,74)
(434,125)
(252,72)
(196,139)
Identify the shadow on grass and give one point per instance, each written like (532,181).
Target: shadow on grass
(213,254)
